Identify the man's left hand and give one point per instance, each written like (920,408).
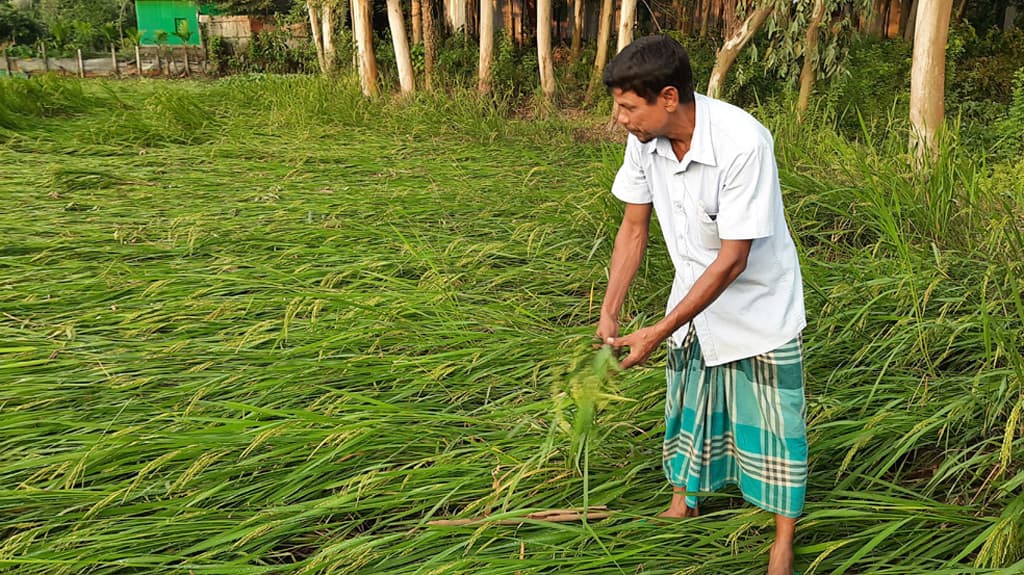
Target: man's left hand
(641,344)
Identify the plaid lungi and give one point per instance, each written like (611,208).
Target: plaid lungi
(740,423)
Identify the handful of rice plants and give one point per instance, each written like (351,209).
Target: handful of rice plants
(588,388)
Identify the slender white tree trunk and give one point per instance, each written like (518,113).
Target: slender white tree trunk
(604,33)
(362,28)
(626,17)
(732,47)
(486,45)
(327,36)
(547,67)
(807,73)
(627,14)
(402,57)
(928,77)
(456,12)
(314,26)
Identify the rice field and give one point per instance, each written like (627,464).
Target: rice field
(264,326)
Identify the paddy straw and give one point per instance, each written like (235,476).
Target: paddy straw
(263,325)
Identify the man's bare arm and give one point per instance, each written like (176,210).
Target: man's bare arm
(730,263)
(628,252)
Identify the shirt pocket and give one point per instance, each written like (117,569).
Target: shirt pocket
(707,228)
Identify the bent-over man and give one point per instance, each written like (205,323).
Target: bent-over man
(734,407)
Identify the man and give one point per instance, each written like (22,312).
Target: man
(734,404)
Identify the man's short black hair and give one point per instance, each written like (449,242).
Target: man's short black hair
(648,65)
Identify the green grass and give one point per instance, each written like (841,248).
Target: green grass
(261,325)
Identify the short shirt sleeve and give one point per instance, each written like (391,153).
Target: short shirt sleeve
(630,183)
(750,195)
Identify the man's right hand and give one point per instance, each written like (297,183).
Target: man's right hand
(606,328)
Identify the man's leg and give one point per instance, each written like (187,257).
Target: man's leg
(780,561)
(678,508)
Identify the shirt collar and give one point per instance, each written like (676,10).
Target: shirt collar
(701,149)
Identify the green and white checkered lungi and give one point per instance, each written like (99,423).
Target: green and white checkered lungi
(739,423)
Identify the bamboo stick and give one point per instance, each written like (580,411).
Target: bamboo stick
(550,515)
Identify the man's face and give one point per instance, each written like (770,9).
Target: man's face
(644,120)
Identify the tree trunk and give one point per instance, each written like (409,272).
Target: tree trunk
(455,10)
(714,16)
(417,23)
(732,47)
(429,38)
(901,26)
(327,36)
(887,18)
(486,45)
(807,73)
(547,69)
(362,28)
(402,57)
(604,33)
(1009,16)
(314,26)
(627,14)
(911,26)
(626,18)
(705,11)
(928,78)
(507,18)
(684,16)
(876,18)
(577,31)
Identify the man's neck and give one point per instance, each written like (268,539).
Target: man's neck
(680,133)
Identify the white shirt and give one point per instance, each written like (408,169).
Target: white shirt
(725,187)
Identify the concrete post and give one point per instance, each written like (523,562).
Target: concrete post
(113,61)
(81,66)
(138,62)
(46,60)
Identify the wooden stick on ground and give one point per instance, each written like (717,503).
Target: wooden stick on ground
(552,515)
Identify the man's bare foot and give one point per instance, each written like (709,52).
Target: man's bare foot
(672,513)
(678,508)
(780,560)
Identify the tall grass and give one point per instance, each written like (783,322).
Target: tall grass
(265,326)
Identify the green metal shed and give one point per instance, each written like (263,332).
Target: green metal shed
(179,19)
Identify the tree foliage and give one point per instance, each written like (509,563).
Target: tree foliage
(95,12)
(18,26)
(243,7)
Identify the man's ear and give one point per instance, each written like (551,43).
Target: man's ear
(670,98)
